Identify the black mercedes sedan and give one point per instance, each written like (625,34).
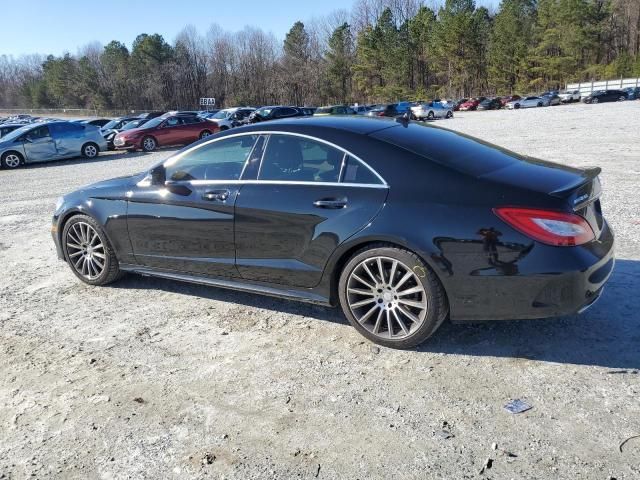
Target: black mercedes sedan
(401,224)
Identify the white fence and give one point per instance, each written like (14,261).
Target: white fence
(619,84)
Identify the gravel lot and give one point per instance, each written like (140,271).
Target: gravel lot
(156,379)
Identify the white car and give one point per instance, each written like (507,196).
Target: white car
(529,102)
(360,109)
(432,110)
(568,96)
(231,117)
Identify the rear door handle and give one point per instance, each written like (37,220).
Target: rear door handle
(216,195)
(333,203)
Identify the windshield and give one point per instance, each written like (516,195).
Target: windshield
(154,122)
(111,124)
(132,124)
(222,114)
(16,133)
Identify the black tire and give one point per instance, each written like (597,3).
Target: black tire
(594,100)
(622,98)
(431,116)
(90,150)
(204,134)
(437,310)
(516,106)
(223,128)
(540,104)
(449,114)
(111,271)
(149,144)
(12,160)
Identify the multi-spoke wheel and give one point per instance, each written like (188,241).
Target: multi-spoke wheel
(88,252)
(205,134)
(391,297)
(90,150)
(149,144)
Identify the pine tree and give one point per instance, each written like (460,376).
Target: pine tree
(339,59)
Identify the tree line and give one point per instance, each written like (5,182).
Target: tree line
(380,50)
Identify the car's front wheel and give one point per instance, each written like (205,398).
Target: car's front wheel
(149,144)
(11,160)
(431,116)
(391,296)
(88,252)
(205,134)
(449,114)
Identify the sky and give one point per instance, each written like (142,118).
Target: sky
(59,26)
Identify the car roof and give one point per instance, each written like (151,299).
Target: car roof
(353,124)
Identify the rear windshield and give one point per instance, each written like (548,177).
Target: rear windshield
(449,148)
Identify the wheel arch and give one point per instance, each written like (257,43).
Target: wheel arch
(17,152)
(341,257)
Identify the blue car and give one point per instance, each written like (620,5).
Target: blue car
(42,142)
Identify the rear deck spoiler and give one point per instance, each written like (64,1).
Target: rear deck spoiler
(589,175)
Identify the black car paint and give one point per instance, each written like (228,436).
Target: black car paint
(442,187)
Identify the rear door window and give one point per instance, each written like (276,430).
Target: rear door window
(357,172)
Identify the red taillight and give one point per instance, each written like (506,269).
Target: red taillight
(381,114)
(548,226)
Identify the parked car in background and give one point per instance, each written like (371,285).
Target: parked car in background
(403,107)
(165,131)
(7,128)
(552,98)
(432,110)
(134,124)
(458,103)
(334,110)
(490,104)
(605,96)
(388,110)
(308,111)
(392,222)
(274,112)
(471,104)
(153,114)
(110,130)
(361,109)
(528,102)
(42,142)
(96,122)
(633,93)
(231,117)
(568,96)
(509,98)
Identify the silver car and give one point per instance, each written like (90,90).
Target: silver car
(432,110)
(42,142)
(529,102)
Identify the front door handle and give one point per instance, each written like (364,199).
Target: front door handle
(333,203)
(216,195)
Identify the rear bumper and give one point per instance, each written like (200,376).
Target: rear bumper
(554,281)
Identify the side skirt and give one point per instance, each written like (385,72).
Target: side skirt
(272,291)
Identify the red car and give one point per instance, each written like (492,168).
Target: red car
(162,132)
(509,98)
(471,104)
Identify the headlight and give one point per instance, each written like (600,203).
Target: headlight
(59,203)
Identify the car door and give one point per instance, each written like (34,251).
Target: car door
(68,138)
(39,145)
(309,197)
(168,132)
(186,225)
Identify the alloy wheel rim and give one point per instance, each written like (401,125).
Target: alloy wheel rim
(85,250)
(387,298)
(12,161)
(90,151)
(204,134)
(149,144)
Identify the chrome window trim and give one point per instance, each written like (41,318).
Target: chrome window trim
(282,182)
(175,158)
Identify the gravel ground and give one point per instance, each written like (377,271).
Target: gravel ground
(156,379)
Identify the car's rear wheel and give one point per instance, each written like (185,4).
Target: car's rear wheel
(516,106)
(88,252)
(594,100)
(449,114)
(90,150)
(430,116)
(539,104)
(205,134)
(622,98)
(149,144)
(391,296)
(11,160)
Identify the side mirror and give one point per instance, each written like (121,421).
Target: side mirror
(158,175)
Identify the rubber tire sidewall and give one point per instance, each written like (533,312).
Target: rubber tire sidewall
(438,306)
(111,271)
